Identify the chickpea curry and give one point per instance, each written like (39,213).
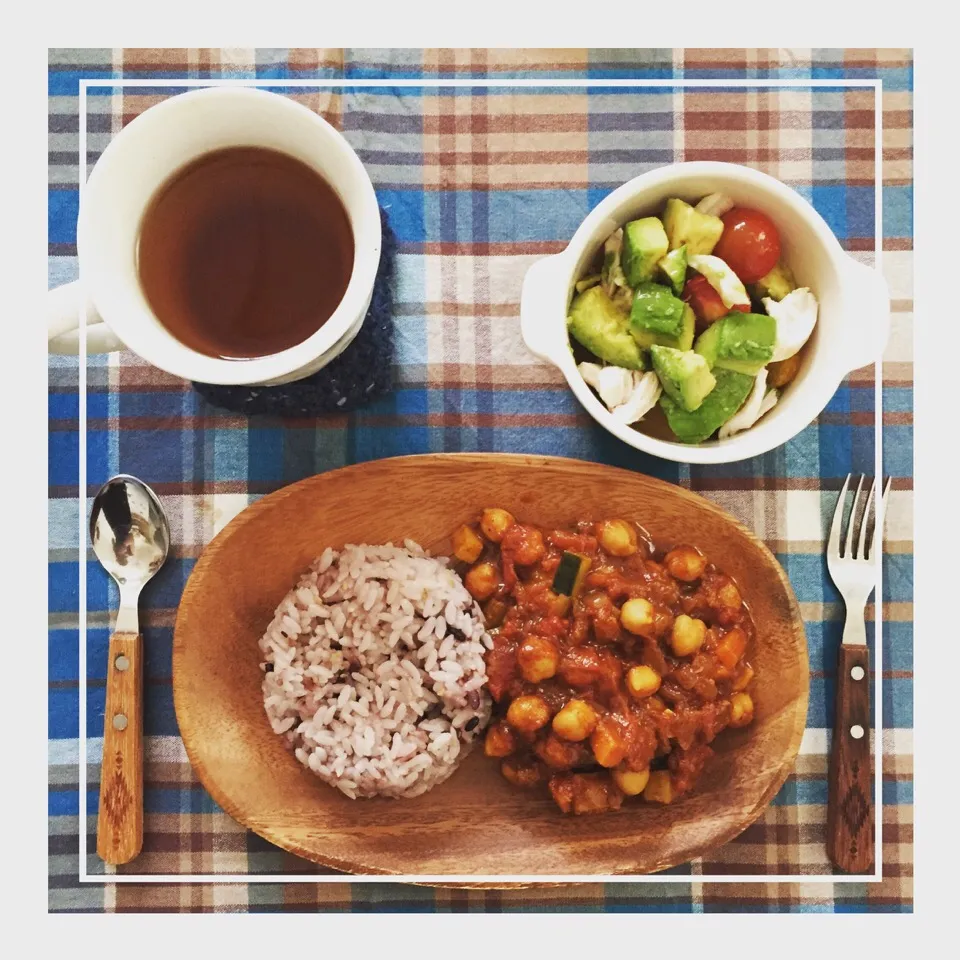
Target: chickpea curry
(614,664)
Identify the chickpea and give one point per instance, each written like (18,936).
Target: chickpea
(576,721)
(617,537)
(741,709)
(607,744)
(520,774)
(495,522)
(687,636)
(482,581)
(685,563)
(729,596)
(528,547)
(500,741)
(538,658)
(643,681)
(638,617)
(659,788)
(631,782)
(528,714)
(467,546)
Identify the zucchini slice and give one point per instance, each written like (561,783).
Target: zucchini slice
(569,576)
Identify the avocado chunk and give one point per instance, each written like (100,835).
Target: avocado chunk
(599,325)
(685,340)
(644,244)
(776,284)
(684,375)
(658,317)
(742,342)
(684,225)
(726,398)
(674,268)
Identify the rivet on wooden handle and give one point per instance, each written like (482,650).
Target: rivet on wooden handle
(850,819)
(120,818)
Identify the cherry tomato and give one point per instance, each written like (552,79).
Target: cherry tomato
(705,301)
(750,243)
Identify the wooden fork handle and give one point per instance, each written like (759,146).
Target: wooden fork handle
(850,820)
(120,818)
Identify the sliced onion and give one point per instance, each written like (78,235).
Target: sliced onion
(750,412)
(642,400)
(715,204)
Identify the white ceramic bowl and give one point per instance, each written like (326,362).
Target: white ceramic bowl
(851,331)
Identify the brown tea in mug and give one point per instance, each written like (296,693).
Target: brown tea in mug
(244,252)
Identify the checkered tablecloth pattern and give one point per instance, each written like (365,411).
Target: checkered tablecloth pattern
(479,182)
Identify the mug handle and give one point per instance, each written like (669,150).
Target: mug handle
(543,296)
(870,316)
(65,317)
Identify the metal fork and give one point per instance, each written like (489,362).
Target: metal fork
(853,569)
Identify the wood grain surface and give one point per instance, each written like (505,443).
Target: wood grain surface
(476,822)
(120,817)
(850,841)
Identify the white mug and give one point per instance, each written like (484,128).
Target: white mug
(139,160)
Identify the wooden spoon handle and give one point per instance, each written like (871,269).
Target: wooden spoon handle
(850,840)
(120,819)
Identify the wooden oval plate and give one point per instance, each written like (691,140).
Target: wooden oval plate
(475,823)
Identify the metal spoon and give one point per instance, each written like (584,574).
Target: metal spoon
(130,538)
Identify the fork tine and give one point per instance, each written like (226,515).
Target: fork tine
(833,545)
(853,520)
(864,523)
(881,517)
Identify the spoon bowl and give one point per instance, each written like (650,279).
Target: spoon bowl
(129,531)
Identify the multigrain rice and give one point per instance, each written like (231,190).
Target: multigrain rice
(374,671)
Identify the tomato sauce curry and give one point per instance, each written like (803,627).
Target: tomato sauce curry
(614,664)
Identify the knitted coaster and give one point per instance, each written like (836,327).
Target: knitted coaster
(362,372)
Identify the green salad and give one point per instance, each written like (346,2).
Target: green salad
(694,312)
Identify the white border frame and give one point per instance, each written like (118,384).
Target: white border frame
(433,879)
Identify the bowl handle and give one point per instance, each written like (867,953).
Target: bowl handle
(868,314)
(542,298)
